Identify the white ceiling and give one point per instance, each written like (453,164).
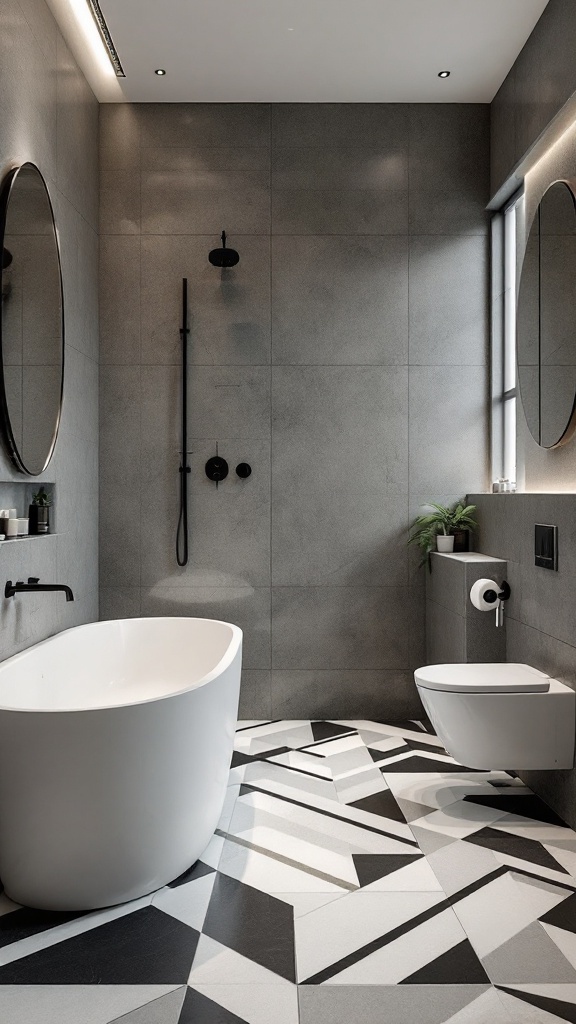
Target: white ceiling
(307,50)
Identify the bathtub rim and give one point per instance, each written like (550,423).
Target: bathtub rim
(221,666)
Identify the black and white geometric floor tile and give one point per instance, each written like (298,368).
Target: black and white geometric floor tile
(357,870)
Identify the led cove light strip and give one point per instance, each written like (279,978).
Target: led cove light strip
(106,37)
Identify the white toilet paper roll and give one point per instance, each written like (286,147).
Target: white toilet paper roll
(484,595)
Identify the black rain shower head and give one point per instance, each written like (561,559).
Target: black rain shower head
(6,258)
(223,257)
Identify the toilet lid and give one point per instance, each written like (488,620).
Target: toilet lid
(487,678)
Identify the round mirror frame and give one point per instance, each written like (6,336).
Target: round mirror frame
(6,188)
(570,428)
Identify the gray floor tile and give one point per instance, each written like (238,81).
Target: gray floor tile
(425,1004)
(72,1004)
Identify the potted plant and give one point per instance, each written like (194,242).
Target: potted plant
(39,512)
(439,528)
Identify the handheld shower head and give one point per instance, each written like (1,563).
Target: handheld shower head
(223,257)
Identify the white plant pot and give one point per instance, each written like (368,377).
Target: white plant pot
(445,543)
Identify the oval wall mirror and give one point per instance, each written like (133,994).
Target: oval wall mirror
(546,320)
(32,321)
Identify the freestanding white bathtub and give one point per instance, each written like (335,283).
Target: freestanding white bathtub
(115,744)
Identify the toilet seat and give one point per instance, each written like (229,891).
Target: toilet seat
(483,678)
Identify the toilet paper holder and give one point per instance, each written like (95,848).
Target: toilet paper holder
(501,595)
(487,595)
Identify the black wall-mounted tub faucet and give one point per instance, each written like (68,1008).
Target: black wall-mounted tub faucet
(34,586)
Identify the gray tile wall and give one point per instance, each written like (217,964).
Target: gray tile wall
(344,358)
(540,81)
(541,613)
(49,115)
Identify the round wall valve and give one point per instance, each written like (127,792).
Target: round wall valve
(243,470)
(216,469)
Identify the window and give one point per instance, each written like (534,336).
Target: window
(504,377)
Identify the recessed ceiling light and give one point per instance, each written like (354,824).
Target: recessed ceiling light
(159,71)
(443,74)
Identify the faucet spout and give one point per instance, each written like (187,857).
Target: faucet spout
(34,586)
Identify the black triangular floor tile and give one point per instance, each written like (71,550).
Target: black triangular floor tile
(405,725)
(146,947)
(515,846)
(381,755)
(196,871)
(198,1009)
(326,730)
(20,924)
(566,1011)
(458,966)
(372,866)
(252,923)
(239,758)
(529,806)
(428,747)
(423,765)
(563,915)
(383,804)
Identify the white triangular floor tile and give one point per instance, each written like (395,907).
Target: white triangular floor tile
(256,1004)
(215,963)
(188,902)
(565,853)
(566,941)
(416,877)
(487,1009)
(543,895)
(461,864)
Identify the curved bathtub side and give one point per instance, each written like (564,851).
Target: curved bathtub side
(102,806)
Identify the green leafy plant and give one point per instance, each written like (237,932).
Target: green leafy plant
(42,498)
(441,519)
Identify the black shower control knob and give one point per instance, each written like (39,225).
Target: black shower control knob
(243,470)
(216,468)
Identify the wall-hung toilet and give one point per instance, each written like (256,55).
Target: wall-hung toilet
(505,716)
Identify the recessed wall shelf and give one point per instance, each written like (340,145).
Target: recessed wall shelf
(18,494)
